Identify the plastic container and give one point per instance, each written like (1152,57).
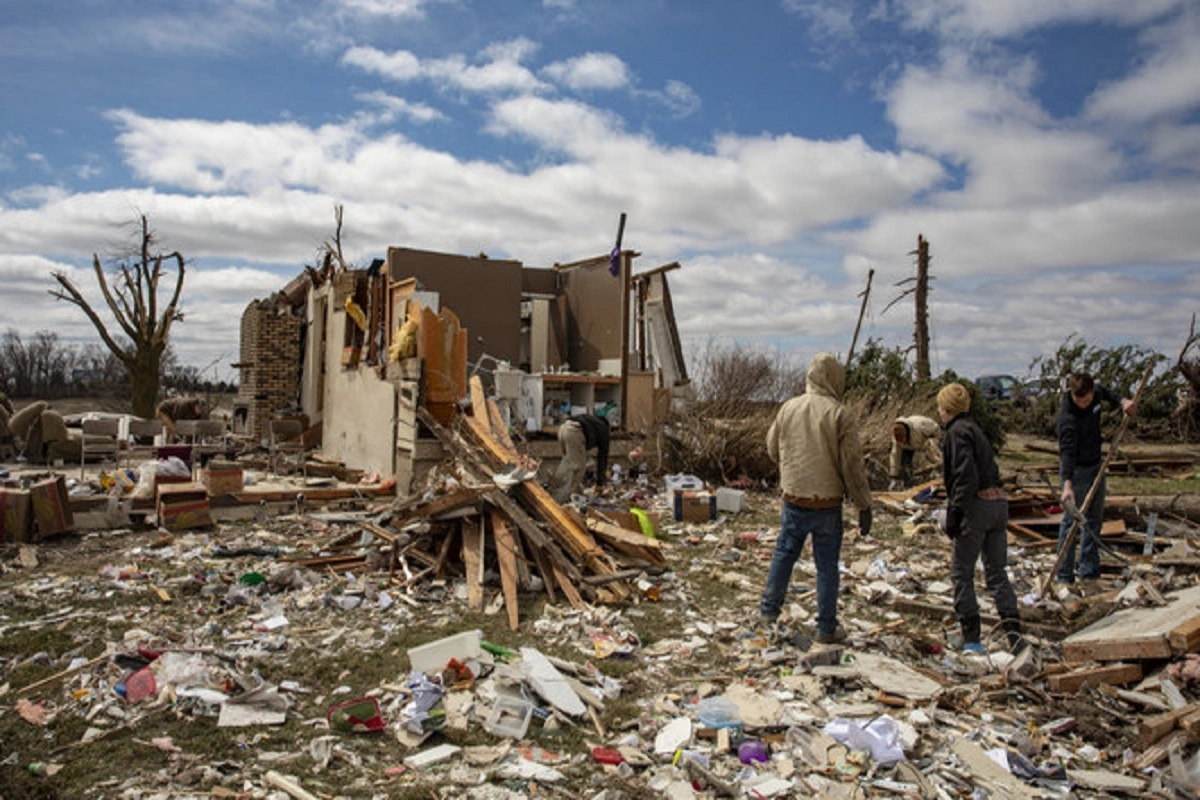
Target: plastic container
(718,712)
(432,657)
(603,755)
(510,717)
(753,750)
(730,500)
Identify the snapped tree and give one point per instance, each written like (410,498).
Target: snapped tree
(133,300)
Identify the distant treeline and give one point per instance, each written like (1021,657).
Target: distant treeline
(45,368)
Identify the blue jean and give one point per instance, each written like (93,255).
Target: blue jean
(796,523)
(1089,547)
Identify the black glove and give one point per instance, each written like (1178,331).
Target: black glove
(954,521)
(864,523)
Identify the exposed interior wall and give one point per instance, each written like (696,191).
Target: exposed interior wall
(312,379)
(484,293)
(360,406)
(595,305)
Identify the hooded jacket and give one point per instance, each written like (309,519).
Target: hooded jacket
(814,440)
(923,435)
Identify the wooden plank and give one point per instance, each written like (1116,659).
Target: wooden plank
(1151,729)
(499,429)
(1157,752)
(1131,634)
(1028,533)
(568,589)
(577,541)
(632,544)
(1186,637)
(1111,674)
(506,555)
(472,556)
(443,504)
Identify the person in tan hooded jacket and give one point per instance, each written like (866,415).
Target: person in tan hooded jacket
(814,440)
(911,437)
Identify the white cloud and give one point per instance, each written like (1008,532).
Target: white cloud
(589,71)
(386,8)
(400,65)
(1011,149)
(827,18)
(1166,83)
(500,69)
(399,107)
(988,18)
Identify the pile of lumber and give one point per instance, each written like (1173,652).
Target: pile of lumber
(520,530)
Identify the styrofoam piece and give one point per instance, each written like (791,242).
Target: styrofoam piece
(680,483)
(674,735)
(434,755)
(549,683)
(432,657)
(510,717)
(730,500)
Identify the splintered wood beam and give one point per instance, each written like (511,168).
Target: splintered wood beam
(1111,674)
(568,589)
(506,555)
(574,537)
(444,551)
(543,565)
(498,427)
(472,556)
(629,543)
(441,505)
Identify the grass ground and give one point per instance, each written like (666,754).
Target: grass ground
(69,608)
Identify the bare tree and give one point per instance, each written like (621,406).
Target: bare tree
(920,292)
(133,301)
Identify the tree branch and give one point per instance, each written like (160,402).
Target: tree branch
(75,298)
(125,324)
(171,314)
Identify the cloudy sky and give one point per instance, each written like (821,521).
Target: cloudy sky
(778,149)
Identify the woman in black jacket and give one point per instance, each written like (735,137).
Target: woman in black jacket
(976,519)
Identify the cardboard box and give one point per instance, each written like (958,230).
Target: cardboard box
(695,506)
(51,508)
(14,515)
(183,506)
(221,477)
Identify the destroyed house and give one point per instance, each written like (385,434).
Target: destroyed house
(332,349)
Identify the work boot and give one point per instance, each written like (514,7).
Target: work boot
(837,635)
(1012,633)
(970,633)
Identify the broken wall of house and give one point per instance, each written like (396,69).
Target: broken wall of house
(596,310)
(485,294)
(359,406)
(269,363)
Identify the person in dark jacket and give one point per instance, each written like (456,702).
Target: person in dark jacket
(577,436)
(1079,459)
(976,519)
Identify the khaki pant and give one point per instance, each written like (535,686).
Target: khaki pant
(569,475)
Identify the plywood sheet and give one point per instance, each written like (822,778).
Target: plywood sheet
(1134,633)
